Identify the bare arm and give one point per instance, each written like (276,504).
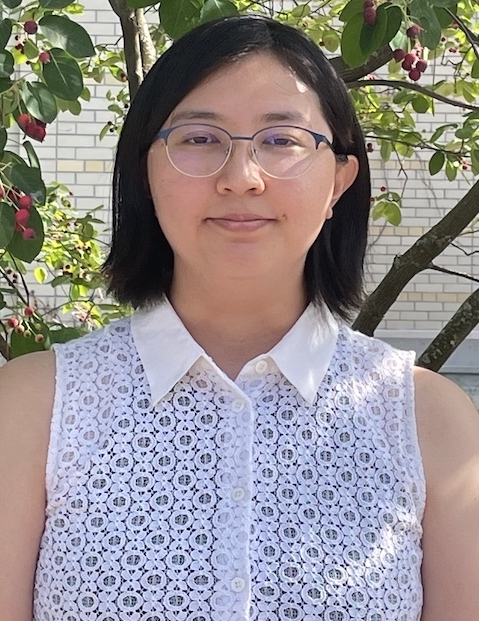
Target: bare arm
(448,427)
(26,400)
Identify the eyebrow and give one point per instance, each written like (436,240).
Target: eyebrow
(270,117)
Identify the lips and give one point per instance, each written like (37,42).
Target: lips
(241,222)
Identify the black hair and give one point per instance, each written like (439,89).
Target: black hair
(139,267)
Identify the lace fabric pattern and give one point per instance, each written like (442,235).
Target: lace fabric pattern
(231,501)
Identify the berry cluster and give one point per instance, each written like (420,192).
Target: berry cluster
(411,62)
(369,13)
(31,28)
(16,324)
(34,128)
(22,204)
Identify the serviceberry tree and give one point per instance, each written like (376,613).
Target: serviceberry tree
(387,52)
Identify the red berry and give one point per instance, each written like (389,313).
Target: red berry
(408,62)
(30,27)
(369,147)
(22,216)
(421,65)
(35,131)
(29,311)
(414,75)
(369,16)
(28,234)
(413,31)
(23,119)
(465,167)
(368,4)
(399,54)
(383,188)
(12,322)
(44,57)
(25,202)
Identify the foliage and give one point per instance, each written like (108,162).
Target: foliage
(46,56)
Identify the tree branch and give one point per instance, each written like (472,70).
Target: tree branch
(131,40)
(374,62)
(416,259)
(473,40)
(412,86)
(444,270)
(464,320)
(147,47)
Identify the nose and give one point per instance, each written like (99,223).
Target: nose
(241,174)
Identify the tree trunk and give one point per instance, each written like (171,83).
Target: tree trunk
(147,47)
(464,320)
(131,40)
(415,260)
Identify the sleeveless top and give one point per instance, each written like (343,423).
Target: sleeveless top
(231,501)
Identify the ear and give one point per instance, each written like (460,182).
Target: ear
(346,173)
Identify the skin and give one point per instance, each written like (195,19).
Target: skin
(225,289)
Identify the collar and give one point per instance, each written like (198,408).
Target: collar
(168,351)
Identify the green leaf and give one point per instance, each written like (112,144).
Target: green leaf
(331,40)
(301,10)
(64,33)
(465,132)
(141,4)
(431,34)
(55,4)
(178,16)
(436,162)
(394,17)
(352,8)
(420,104)
(21,345)
(443,17)
(40,274)
(443,3)
(215,9)
(63,76)
(30,49)
(5,32)
(39,101)
(451,171)
(29,180)
(475,70)
(392,213)
(32,156)
(27,249)
(351,51)
(7,224)
(371,37)
(12,4)
(386,149)
(7,63)
(3,140)
(5,85)
(65,334)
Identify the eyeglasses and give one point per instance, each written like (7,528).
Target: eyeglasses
(201,150)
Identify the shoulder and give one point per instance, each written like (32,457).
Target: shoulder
(448,422)
(27,387)
(448,432)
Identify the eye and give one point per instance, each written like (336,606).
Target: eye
(279,140)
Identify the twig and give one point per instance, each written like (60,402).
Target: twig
(469,35)
(413,87)
(444,270)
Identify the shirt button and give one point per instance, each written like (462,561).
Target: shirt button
(238,585)
(261,366)
(237,405)
(238,493)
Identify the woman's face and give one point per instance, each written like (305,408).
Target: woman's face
(240,223)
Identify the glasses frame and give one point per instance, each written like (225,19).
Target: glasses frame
(318,139)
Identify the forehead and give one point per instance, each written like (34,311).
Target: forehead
(258,87)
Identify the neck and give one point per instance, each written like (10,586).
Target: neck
(234,322)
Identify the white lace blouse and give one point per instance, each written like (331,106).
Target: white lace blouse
(294,493)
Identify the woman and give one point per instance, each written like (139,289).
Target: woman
(234,451)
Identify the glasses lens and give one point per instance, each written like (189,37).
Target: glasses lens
(284,152)
(198,150)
